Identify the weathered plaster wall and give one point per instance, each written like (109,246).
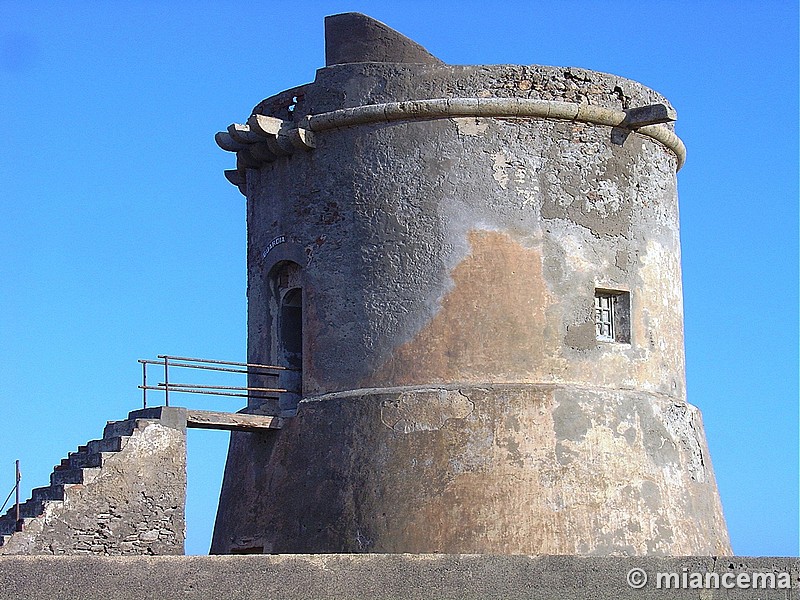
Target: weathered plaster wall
(132,503)
(456,397)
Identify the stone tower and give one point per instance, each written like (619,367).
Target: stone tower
(472,274)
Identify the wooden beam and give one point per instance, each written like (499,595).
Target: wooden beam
(204,419)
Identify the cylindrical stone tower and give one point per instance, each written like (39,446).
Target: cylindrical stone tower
(476,272)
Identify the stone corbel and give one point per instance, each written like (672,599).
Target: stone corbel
(260,141)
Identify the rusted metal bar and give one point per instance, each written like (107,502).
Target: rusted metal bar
(11,493)
(17,477)
(172,386)
(227,362)
(209,392)
(144,383)
(168,360)
(210,368)
(183,387)
(166,380)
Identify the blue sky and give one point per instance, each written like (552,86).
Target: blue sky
(121,239)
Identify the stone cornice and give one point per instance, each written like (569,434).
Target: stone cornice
(264,138)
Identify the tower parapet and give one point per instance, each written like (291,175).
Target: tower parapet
(473,275)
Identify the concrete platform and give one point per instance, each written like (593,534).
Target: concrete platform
(385,577)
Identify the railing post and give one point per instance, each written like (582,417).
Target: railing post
(166,381)
(17,477)
(144,384)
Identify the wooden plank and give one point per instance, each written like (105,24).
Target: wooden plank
(204,419)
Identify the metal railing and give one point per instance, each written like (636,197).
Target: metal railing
(183,362)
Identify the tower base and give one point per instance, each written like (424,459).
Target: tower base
(489,469)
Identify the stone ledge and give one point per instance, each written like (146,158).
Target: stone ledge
(362,576)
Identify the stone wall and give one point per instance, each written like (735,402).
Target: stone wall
(387,577)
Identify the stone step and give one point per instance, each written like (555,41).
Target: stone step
(31,509)
(112,444)
(82,460)
(119,428)
(51,492)
(89,460)
(136,420)
(27,510)
(10,515)
(8,528)
(62,476)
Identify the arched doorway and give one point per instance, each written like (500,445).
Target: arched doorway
(290,338)
(286,310)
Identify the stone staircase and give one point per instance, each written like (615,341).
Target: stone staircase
(123,494)
(78,469)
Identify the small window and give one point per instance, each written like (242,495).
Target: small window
(612,316)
